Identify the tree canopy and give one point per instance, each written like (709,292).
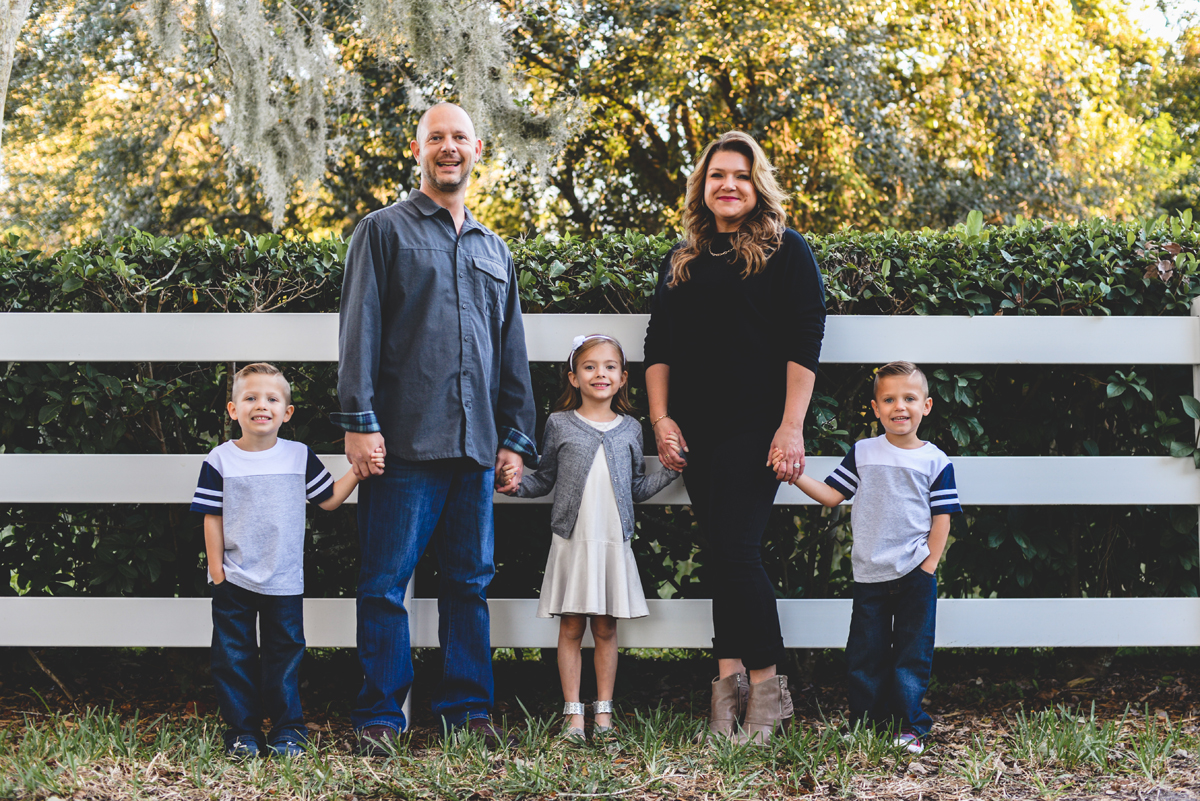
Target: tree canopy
(176,116)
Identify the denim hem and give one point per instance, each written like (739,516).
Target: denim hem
(391,724)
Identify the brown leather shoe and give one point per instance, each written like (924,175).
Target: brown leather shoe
(376,741)
(728,705)
(768,708)
(494,737)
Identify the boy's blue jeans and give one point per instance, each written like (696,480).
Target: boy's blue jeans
(398,514)
(890,651)
(254,680)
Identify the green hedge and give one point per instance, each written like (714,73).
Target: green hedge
(1095,268)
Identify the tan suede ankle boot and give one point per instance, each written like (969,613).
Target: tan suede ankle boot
(769,705)
(728,704)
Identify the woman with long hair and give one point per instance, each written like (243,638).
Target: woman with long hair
(731,357)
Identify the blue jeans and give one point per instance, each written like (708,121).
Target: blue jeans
(398,513)
(254,680)
(890,651)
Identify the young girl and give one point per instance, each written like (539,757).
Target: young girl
(593,453)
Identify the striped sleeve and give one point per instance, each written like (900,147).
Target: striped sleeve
(943,493)
(318,483)
(844,477)
(210,492)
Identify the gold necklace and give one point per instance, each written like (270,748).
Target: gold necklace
(722,253)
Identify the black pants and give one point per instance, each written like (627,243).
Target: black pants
(732,493)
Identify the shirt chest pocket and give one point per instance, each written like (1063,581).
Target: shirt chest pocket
(491,285)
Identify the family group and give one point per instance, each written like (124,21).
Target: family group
(438,410)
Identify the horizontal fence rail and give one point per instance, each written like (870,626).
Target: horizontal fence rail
(329,623)
(868,340)
(849,339)
(982,480)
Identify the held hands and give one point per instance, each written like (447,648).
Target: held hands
(504,480)
(671,444)
(361,451)
(786,456)
(509,469)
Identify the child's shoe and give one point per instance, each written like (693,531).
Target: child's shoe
(605,737)
(244,746)
(909,742)
(573,734)
(287,744)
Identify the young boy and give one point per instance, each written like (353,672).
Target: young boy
(252,493)
(904,495)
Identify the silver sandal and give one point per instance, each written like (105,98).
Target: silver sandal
(605,736)
(573,734)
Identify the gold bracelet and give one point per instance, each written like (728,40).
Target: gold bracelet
(659,420)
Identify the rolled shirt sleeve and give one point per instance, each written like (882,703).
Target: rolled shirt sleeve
(359,327)
(516,415)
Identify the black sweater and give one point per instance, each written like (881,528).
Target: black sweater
(728,340)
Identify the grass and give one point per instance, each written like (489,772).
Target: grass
(1060,751)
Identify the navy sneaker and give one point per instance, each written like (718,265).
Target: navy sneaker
(244,746)
(287,745)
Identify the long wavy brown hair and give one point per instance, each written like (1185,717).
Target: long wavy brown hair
(759,235)
(572,398)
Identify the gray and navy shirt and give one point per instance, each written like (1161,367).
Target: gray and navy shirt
(430,340)
(896,492)
(261,495)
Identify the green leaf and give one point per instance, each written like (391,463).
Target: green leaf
(48,412)
(1181,449)
(1116,389)
(1191,406)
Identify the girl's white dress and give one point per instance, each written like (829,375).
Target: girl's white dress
(593,572)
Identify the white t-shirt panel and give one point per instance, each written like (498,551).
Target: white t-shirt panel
(896,492)
(260,496)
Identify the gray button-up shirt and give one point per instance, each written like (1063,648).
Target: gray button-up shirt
(431,343)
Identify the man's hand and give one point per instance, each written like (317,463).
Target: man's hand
(360,448)
(509,468)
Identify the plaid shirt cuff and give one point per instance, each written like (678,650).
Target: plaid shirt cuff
(356,422)
(514,440)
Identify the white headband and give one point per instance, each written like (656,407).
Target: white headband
(578,341)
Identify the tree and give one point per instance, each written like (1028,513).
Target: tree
(273,88)
(876,114)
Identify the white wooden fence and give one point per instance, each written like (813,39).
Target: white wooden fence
(185,622)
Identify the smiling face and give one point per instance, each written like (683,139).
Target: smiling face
(729,191)
(598,375)
(901,402)
(260,406)
(446,148)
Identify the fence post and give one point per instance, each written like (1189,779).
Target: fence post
(409,592)
(1196,393)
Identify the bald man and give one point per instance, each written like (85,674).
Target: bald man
(433,369)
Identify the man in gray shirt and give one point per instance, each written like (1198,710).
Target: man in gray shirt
(432,368)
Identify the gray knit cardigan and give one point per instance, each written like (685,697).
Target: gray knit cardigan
(567,454)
